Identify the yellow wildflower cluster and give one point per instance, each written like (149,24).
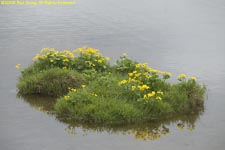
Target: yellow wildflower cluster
(158,95)
(54,55)
(91,57)
(143,87)
(87,50)
(94,94)
(66,97)
(74,90)
(142,81)
(182,77)
(80,59)
(122,82)
(149,70)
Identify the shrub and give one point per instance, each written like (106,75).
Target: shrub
(83,58)
(124,64)
(90,58)
(53,82)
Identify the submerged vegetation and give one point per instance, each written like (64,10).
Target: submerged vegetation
(89,89)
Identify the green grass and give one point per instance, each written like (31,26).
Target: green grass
(90,89)
(52,82)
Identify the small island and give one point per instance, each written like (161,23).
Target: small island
(89,89)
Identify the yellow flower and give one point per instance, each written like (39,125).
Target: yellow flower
(72,89)
(107,58)
(148,76)
(133,88)
(83,86)
(143,87)
(122,82)
(137,65)
(182,76)
(64,67)
(158,98)
(36,57)
(137,74)
(168,73)
(124,54)
(65,60)
(160,92)
(193,78)
(18,66)
(51,60)
(66,97)
(93,94)
(144,65)
(100,60)
(145,96)
(151,94)
(130,74)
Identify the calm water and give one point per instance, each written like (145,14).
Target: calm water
(180,36)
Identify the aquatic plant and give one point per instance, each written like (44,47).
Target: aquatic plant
(93,90)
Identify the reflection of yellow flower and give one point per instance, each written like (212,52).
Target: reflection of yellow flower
(18,66)
(180,126)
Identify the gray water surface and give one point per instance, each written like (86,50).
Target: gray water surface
(179,36)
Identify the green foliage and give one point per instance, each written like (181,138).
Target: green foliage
(54,82)
(92,90)
(88,106)
(124,64)
(89,58)
(84,58)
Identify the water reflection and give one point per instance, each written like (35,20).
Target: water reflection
(140,131)
(40,103)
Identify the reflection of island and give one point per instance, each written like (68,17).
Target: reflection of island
(142,131)
(40,103)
